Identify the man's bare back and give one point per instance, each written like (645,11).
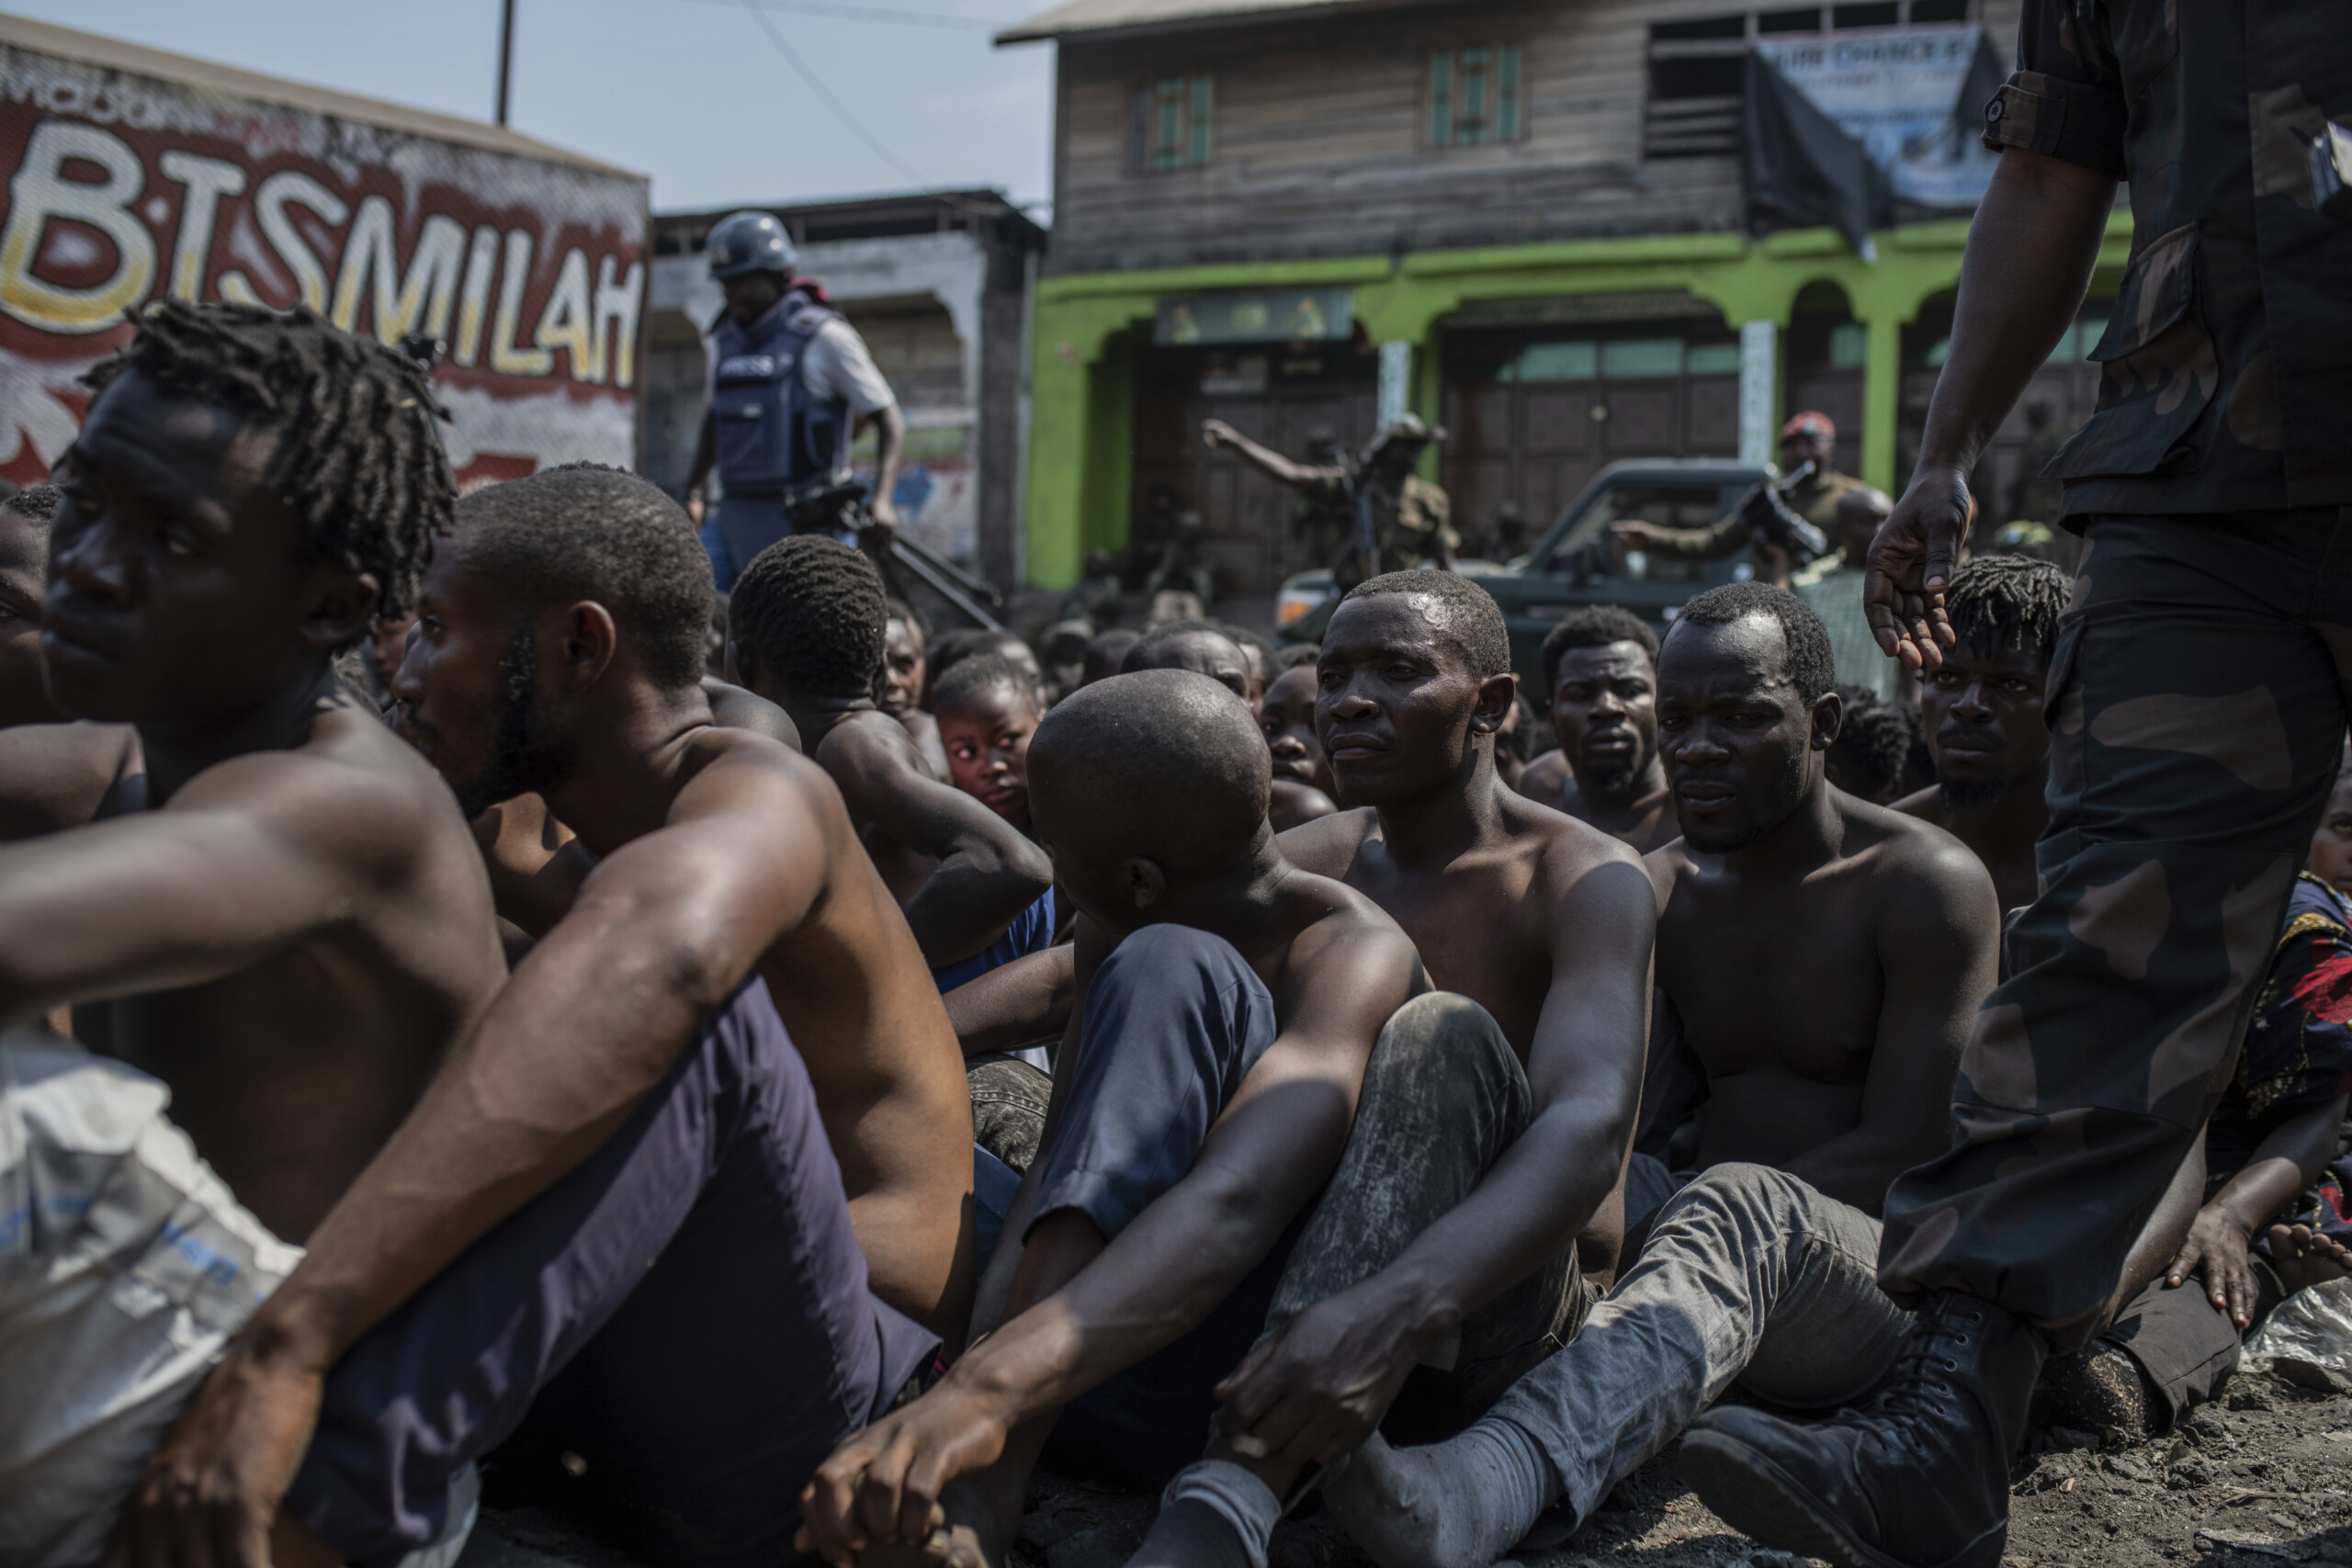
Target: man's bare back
(641,768)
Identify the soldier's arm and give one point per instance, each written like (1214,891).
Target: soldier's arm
(1714,542)
(1273,464)
(2059,126)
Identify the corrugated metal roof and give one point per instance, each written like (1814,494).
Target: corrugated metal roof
(114,54)
(1106,16)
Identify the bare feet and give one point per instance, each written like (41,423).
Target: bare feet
(2305,1257)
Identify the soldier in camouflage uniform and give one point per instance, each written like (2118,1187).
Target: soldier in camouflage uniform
(1411,519)
(2199,693)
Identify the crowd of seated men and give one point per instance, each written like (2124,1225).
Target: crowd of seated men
(462,1016)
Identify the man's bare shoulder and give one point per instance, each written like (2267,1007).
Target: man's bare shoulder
(350,767)
(1345,930)
(1668,865)
(736,708)
(1907,856)
(746,763)
(54,776)
(1569,846)
(1926,804)
(1327,846)
(1548,778)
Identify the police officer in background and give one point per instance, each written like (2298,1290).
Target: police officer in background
(789,378)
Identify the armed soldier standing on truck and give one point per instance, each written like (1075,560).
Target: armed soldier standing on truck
(1810,489)
(789,378)
(1411,518)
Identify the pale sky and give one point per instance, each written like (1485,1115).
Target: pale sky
(690,92)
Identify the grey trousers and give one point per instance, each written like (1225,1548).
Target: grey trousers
(1443,1097)
(1749,1276)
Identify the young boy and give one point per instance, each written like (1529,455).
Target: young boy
(1227,1004)
(988,707)
(1304,788)
(905,672)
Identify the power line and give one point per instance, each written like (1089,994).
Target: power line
(824,95)
(874,14)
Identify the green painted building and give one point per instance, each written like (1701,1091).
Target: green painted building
(1523,219)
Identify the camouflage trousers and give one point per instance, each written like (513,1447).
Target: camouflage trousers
(2198,699)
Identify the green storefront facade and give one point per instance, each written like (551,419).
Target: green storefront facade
(1079,475)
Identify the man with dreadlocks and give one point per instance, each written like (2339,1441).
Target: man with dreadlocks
(1981,707)
(264,911)
(633,1218)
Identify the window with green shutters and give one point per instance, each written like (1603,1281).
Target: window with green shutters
(1475,97)
(1171,127)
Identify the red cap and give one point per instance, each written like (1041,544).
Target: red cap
(1810,423)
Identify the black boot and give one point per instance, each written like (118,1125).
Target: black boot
(1918,1477)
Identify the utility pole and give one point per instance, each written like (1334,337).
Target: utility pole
(505,55)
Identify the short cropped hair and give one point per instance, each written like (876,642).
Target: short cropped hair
(1147,647)
(1812,668)
(966,678)
(1296,654)
(585,531)
(2001,602)
(971,642)
(1875,745)
(1473,621)
(1595,626)
(811,611)
(1162,763)
(359,456)
(35,503)
(1105,653)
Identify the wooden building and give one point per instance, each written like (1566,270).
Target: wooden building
(1524,218)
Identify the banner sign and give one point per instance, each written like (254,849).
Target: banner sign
(1284,315)
(1898,91)
(126,187)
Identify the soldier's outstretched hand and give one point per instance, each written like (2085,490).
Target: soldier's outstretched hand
(1911,561)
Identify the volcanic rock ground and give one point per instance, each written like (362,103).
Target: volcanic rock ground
(2256,1480)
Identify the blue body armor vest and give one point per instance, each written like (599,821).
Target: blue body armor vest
(774,434)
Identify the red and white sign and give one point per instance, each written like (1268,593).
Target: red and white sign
(124,187)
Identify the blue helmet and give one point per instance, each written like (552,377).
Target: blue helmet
(750,241)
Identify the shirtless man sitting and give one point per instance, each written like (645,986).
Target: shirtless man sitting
(1543,922)
(266,911)
(1601,677)
(1982,710)
(1825,958)
(630,1205)
(805,630)
(1227,1005)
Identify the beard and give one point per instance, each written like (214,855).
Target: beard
(526,756)
(1610,779)
(1973,795)
(1769,806)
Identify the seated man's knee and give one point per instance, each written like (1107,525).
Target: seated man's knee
(1446,1042)
(1172,960)
(1734,1191)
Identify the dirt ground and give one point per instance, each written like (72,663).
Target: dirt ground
(2252,1482)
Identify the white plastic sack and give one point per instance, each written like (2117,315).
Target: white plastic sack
(2314,1326)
